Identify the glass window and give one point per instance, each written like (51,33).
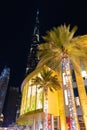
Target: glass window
(39,98)
(33,98)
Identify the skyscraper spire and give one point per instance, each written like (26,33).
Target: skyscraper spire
(36,29)
(32,57)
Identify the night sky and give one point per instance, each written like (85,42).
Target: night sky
(17,20)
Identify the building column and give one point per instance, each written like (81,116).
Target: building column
(34,124)
(52,122)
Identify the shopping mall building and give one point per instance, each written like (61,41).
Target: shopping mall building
(32,111)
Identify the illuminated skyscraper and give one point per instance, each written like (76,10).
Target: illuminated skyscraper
(32,57)
(4,80)
(11,106)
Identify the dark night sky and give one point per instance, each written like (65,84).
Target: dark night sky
(17,19)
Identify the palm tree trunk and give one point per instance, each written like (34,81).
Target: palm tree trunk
(68,89)
(46,108)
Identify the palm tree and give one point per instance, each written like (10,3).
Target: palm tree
(46,80)
(61,49)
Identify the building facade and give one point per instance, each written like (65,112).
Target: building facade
(32,112)
(32,105)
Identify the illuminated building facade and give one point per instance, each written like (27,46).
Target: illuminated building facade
(32,105)
(32,112)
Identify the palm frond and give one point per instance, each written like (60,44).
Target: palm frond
(61,41)
(46,79)
(49,56)
(60,35)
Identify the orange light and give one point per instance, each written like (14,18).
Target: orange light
(48,116)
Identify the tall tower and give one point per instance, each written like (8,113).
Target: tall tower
(4,79)
(32,57)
